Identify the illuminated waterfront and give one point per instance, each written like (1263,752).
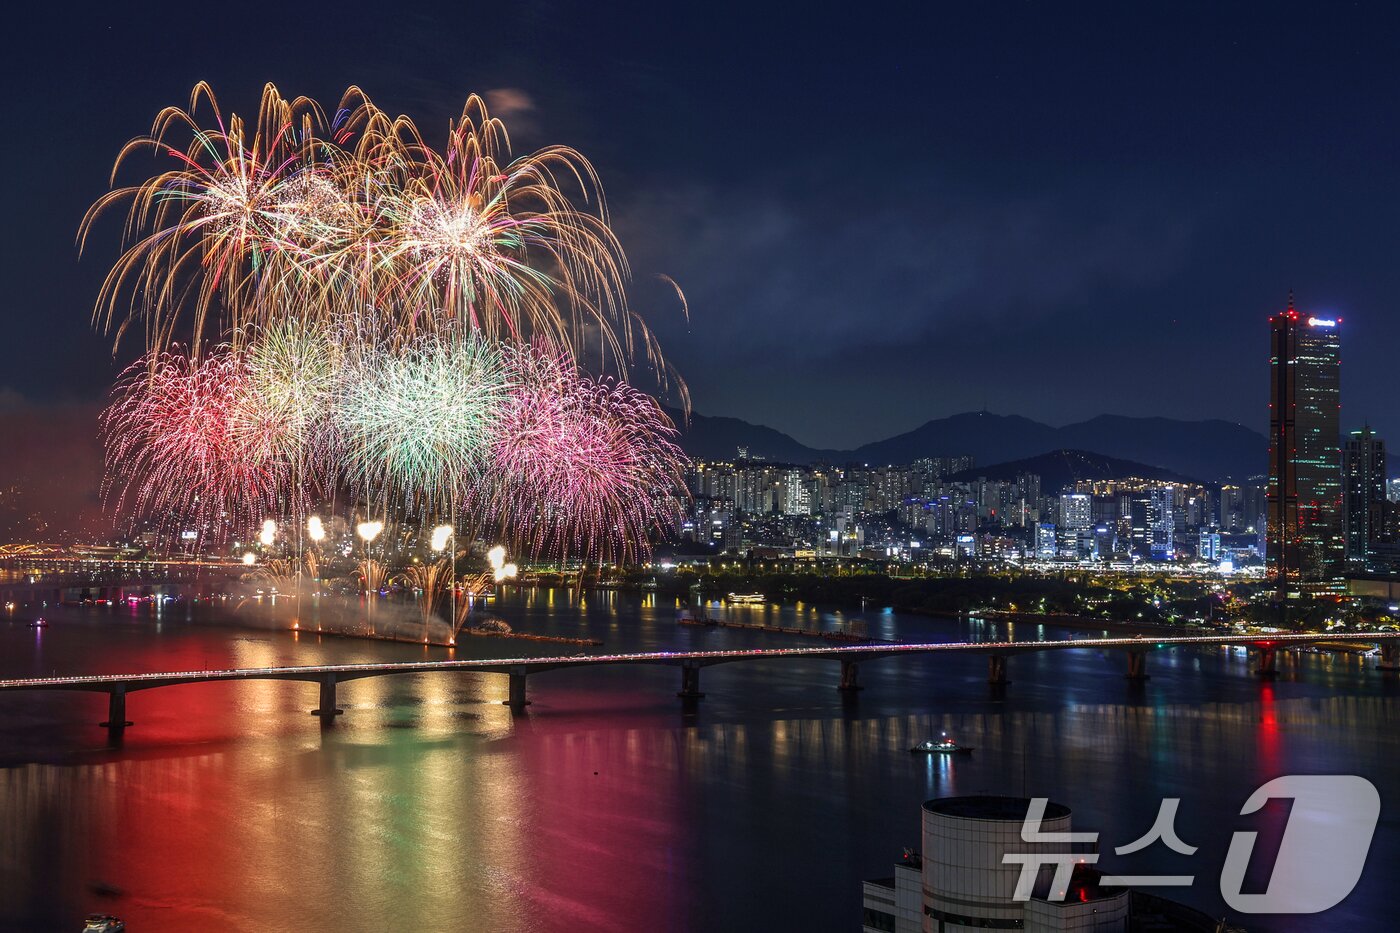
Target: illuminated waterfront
(608,805)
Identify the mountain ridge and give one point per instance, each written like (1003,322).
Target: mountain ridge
(1061,469)
(1212,450)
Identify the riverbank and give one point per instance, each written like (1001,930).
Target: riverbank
(1080,623)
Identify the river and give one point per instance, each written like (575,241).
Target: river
(608,804)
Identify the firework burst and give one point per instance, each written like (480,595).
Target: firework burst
(292,217)
(200,232)
(419,422)
(176,450)
(293,371)
(585,467)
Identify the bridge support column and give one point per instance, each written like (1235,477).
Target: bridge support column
(516,699)
(116,708)
(1267,666)
(327,708)
(1390,656)
(996,669)
(850,677)
(1137,666)
(690,682)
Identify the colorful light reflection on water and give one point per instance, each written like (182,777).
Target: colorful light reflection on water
(609,804)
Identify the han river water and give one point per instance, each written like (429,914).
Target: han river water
(608,805)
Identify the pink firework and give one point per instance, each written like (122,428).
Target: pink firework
(586,467)
(183,447)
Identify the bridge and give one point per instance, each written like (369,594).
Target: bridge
(1264,648)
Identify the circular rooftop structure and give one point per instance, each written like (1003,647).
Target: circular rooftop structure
(992,807)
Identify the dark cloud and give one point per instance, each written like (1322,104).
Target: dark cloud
(812,296)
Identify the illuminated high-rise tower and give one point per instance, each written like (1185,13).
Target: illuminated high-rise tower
(1305,470)
(1363,484)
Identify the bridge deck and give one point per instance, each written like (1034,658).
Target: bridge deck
(344,672)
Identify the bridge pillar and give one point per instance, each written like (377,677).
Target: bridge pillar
(690,681)
(1390,655)
(1137,666)
(850,677)
(327,708)
(996,669)
(515,699)
(116,708)
(1267,666)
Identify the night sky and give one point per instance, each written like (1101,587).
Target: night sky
(880,214)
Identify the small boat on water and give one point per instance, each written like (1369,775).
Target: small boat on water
(943,746)
(39,623)
(103,923)
(747,598)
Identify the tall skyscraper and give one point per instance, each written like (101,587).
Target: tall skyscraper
(1231,508)
(1076,511)
(796,498)
(1363,490)
(1161,523)
(1305,476)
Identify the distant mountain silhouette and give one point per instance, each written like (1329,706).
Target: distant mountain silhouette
(1212,450)
(988,437)
(1058,469)
(707,437)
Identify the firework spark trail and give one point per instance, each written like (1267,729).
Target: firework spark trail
(199,232)
(430,584)
(292,217)
(419,423)
(173,451)
(293,370)
(584,467)
(372,574)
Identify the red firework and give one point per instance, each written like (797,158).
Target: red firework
(183,447)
